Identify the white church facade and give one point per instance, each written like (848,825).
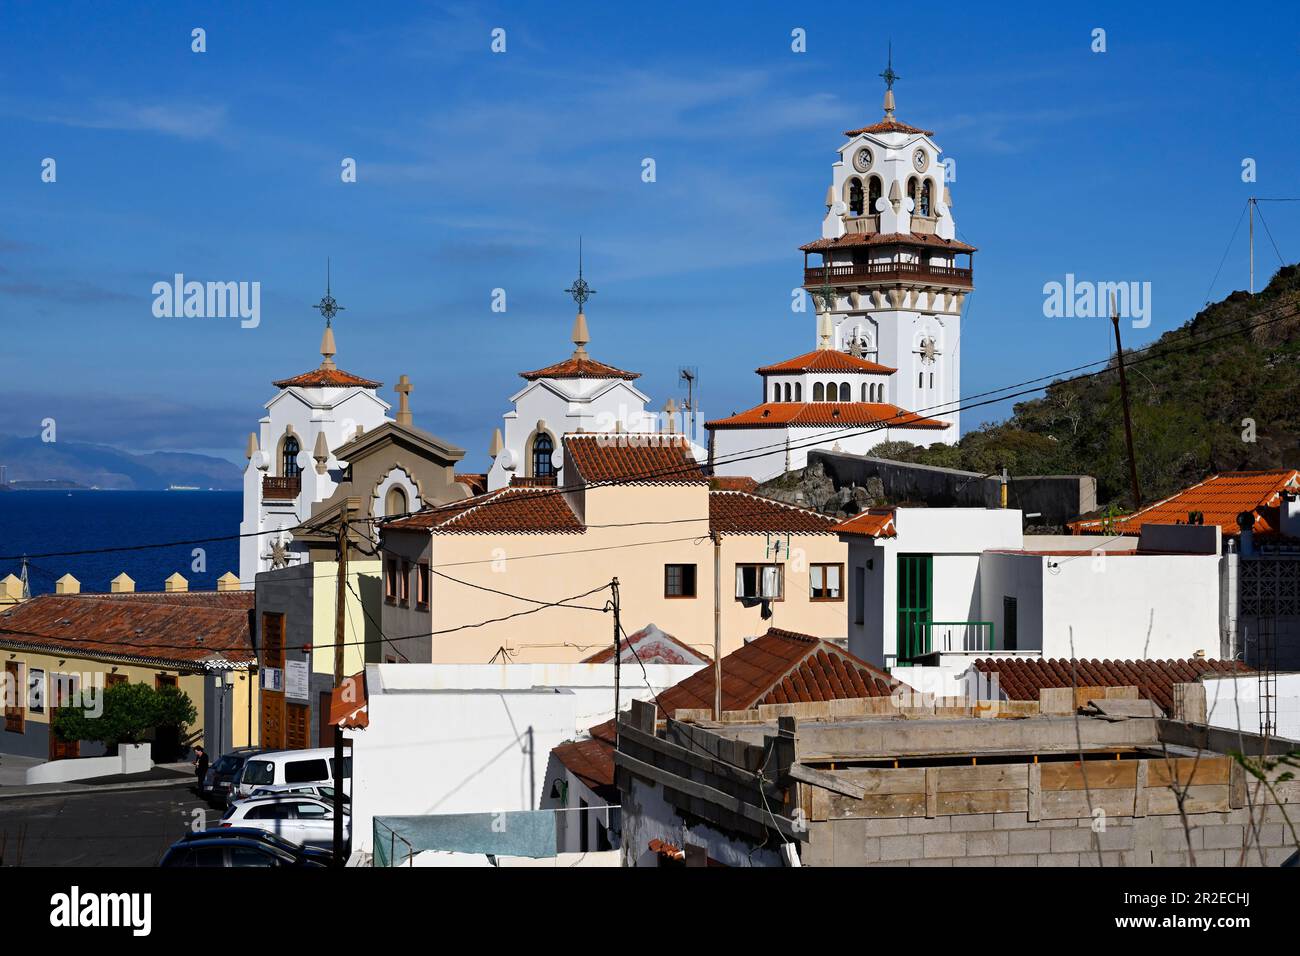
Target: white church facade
(888,291)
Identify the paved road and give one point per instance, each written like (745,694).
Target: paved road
(112,828)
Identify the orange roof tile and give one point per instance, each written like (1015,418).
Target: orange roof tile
(326,378)
(646,458)
(177,628)
(505,511)
(822,414)
(887,239)
(781,667)
(350,704)
(650,645)
(476,482)
(828,360)
(736,512)
(1022,678)
(888,126)
(733,483)
(579,366)
(875,523)
(1220,498)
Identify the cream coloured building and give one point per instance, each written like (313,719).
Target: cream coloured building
(482,579)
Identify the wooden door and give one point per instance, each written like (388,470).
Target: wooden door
(297,724)
(272,724)
(326,731)
(14,693)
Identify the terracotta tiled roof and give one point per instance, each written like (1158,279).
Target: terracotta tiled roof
(827,360)
(888,126)
(326,378)
(875,523)
(781,667)
(1220,498)
(505,511)
(350,704)
(652,646)
(1022,678)
(579,366)
(823,414)
(177,628)
(632,458)
(476,483)
(887,239)
(733,483)
(736,512)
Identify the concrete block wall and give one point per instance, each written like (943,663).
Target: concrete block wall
(1231,838)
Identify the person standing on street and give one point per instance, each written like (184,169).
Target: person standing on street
(200,768)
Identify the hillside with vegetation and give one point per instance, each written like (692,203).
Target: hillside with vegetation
(1192,394)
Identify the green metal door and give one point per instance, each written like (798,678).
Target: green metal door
(915,591)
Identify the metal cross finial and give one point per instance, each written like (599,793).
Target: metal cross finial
(580,291)
(328,306)
(889,76)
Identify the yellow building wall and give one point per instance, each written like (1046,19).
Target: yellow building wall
(195,685)
(548,567)
(365,584)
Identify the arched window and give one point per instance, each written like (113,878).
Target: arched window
(855,197)
(846,393)
(819,392)
(289,458)
(776,392)
(798,391)
(911,193)
(926,202)
(873,193)
(920,380)
(543,448)
(395,502)
(787,391)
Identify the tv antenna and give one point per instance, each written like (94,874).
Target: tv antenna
(690,375)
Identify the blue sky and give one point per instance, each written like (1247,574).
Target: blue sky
(479,171)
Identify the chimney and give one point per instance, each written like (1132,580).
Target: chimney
(67,585)
(122,584)
(176,583)
(228,582)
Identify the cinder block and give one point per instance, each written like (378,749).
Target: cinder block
(850,839)
(1058,859)
(1016,859)
(922,825)
(965,822)
(974,861)
(902,848)
(1115,838)
(1213,858)
(945,844)
(1272,834)
(817,851)
(1030,841)
(1175,838)
(1012,821)
(1276,855)
(1071,841)
(938,861)
(887,826)
(1223,837)
(990,842)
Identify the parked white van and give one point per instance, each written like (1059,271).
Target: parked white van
(291,766)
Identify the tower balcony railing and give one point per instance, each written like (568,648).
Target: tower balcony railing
(281,489)
(866,272)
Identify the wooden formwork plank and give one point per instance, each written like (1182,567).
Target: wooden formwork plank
(1034,792)
(1199,799)
(884,780)
(1208,770)
(1236,786)
(1140,800)
(832,806)
(932,791)
(1101,775)
(1079,804)
(982,801)
(987,777)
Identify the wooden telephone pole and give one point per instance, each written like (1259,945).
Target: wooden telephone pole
(340,616)
(1128,424)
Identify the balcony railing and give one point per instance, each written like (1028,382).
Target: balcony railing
(886,272)
(956,637)
(281,489)
(522,481)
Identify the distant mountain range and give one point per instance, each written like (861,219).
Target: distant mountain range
(99,466)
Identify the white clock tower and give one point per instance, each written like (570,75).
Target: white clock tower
(889,285)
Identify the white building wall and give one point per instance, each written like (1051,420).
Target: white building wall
(1233,703)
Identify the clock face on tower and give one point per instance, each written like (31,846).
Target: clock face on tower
(920,160)
(862,160)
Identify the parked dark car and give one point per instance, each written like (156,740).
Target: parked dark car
(223,774)
(238,847)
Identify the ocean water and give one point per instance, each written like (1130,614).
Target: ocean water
(43,522)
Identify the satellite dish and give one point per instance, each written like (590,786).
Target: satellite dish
(261,460)
(557,459)
(508,459)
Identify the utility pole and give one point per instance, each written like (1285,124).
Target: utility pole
(340,615)
(1128,424)
(717,625)
(1251,204)
(618,652)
